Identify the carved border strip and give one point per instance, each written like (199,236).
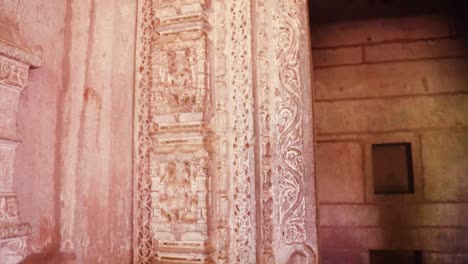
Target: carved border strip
(143,246)
(263,104)
(243,228)
(288,231)
(288,138)
(296,223)
(221,126)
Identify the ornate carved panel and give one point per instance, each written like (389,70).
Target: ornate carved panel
(173,109)
(221,157)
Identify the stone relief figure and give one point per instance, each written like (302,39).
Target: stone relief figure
(177,89)
(178,199)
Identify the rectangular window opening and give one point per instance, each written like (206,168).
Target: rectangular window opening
(392,168)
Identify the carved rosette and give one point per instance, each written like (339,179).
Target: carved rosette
(15,62)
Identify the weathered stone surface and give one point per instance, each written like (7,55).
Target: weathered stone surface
(9,100)
(337,56)
(379,30)
(391,79)
(392,114)
(430,215)
(416,50)
(362,238)
(339,173)
(7,165)
(338,256)
(436,258)
(445,168)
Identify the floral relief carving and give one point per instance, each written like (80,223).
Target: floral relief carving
(289,144)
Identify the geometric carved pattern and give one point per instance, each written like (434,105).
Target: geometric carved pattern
(143,243)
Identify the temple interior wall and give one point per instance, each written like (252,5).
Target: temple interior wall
(392,80)
(400,79)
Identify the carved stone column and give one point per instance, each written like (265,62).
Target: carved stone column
(15,61)
(224,133)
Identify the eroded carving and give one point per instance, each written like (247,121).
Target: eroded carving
(13,74)
(13,250)
(8,207)
(179,84)
(174,165)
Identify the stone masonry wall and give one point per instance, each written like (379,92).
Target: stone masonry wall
(393,80)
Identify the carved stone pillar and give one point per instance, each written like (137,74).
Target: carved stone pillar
(223,133)
(174,160)
(15,61)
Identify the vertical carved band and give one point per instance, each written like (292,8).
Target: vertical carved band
(221,125)
(289,139)
(143,247)
(243,230)
(263,104)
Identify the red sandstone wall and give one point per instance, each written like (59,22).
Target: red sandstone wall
(36,179)
(74,169)
(400,79)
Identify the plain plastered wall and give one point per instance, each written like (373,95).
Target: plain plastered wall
(385,81)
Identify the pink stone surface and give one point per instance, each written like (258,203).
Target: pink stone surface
(76,131)
(339,171)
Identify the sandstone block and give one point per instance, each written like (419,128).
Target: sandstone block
(337,56)
(391,79)
(428,239)
(416,50)
(392,114)
(379,30)
(445,161)
(433,215)
(339,172)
